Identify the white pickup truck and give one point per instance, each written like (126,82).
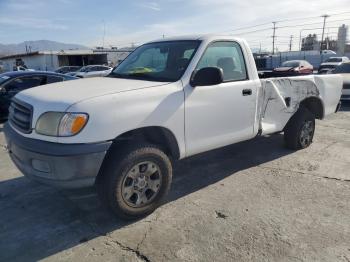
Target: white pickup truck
(168,100)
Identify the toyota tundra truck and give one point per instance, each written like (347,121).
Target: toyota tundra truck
(168,100)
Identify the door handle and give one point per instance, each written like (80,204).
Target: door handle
(246,92)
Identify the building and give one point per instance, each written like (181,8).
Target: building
(51,60)
(329,44)
(310,43)
(340,45)
(114,55)
(342,38)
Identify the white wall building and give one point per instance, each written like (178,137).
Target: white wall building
(342,37)
(51,60)
(114,55)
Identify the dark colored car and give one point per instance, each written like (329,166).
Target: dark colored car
(294,68)
(13,82)
(67,69)
(344,70)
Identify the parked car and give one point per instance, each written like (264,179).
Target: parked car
(13,82)
(22,68)
(168,100)
(331,63)
(294,67)
(92,71)
(67,69)
(344,70)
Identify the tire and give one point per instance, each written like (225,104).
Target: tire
(135,180)
(300,129)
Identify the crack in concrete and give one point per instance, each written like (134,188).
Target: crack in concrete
(305,173)
(110,239)
(335,178)
(136,252)
(147,232)
(335,127)
(120,245)
(330,145)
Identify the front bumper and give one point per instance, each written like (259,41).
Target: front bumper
(61,165)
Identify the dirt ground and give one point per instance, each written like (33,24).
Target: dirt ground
(253,201)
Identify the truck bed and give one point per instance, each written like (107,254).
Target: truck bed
(280,98)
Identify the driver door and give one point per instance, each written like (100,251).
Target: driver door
(222,114)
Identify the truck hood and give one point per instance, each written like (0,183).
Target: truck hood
(63,94)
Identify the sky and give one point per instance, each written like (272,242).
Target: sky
(121,23)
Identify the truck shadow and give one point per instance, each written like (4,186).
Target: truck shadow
(38,221)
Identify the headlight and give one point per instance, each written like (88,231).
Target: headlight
(61,124)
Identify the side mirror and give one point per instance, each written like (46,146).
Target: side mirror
(207,76)
(3,90)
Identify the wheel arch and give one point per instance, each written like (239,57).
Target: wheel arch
(314,105)
(157,135)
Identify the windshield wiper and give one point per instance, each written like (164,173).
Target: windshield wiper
(139,75)
(132,75)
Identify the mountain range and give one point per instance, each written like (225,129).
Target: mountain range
(39,45)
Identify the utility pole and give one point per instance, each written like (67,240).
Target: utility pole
(324,25)
(290,43)
(273,37)
(104,33)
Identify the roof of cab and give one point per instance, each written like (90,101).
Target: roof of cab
(195,37)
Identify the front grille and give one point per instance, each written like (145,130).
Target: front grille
(20,116)
(346,85)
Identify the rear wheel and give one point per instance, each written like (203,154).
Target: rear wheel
(134,184)
(299,131)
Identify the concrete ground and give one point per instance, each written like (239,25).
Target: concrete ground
(253,201)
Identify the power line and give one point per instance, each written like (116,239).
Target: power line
(247,27)
(316,23)
(340,13)
(287,20)
(311,17)
(250,32)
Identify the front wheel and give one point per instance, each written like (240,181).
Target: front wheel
(135,181)
(299,132)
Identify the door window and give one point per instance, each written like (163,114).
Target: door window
(228,56)
(54,79)
(22,83)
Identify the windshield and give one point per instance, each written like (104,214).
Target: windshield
(334,59)
(84,69)
(162,61)
(344,68)
(291,64)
